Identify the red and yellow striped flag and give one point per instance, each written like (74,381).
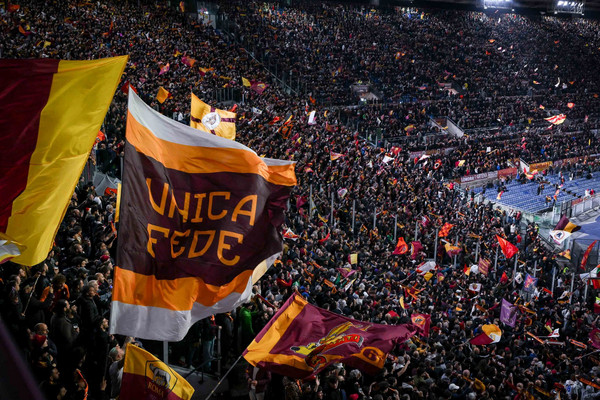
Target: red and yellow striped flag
(147,377)
(203,219)
(210,119)
(52,111)
(445,230)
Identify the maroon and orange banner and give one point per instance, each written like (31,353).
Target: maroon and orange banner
(52,111)
(147,377)
(302,339)
(200,222)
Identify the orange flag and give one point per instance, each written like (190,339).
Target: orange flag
(445,230)
(401,247)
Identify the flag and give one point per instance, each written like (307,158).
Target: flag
(530,283)
(100,137)
(452,250)
(484,266)
(401,247)
(209,119)
(162,95)
(311,118)
(203,219)
(570,105)
(445,230)
(52,110)
(415,249)
(246,82)
(508,249)
(425,221)
(421,322)
(559,236)
(147,377)
(508,313)
(425,267)
(204,71)
(9,249)
(595,338)
(353,258)
(125,87)
(556,119)
(586,255)
(594,276)
(491,334)
(288,234)
(474,288)
(347,272)
(566,254)
(334,156)
(302,339)
(182,6)
(164,69)
(188,61)
(564,224)
(258,87)
(499,196)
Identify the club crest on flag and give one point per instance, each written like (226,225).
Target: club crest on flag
(160,379)
(211,120)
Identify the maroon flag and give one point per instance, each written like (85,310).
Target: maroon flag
(421,322)
(484,266)
(586,255)
(415,249)
(301,340)
(595,338)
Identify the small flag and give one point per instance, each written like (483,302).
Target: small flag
(334,156)
(484,266)
(566,254)
(586,255)
(452,250)
(508,313)
(401,247)
(188,61)
(311,118)
(445,230)
(164,69)
(508,249)
(491,334)
(246,82)
(288,234)
(162,95)
(570,105)
(556,119)
(353,258)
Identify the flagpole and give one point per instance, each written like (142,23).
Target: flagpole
(223,378)
(456,255)
(477,251)
(166,352)
(586,290)
(395,227)
(572,283)
(353,215)
(310,204)
(374,218)
(416,231)
(437,231)
(496,263)
(515,270)
(331,215)
(553,279)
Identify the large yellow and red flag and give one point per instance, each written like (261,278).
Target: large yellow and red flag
(210,119)
(147,377)
(202,217)
(52,111)
(302,339)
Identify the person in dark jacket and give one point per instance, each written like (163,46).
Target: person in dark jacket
(258,381)
(62,331)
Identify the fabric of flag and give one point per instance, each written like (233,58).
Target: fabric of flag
(491,334)
(302,339)
(182,6)
(508,313)
(499,196)
(334,156)
(8,249)
(203,218)
(210,119)
(164,69)
(288,234)
(52,112)
(445,230)
(188,61)
(311,118)
(556,119)
(401,247)
(508,249)
(566,254)
(425,221)
(564,224)
(474,288)
(246,82)
(559,236)
(353,258)
(484,266)
(530,283)
(162,95)
(147,377)
(258,87)
(452,250)
(421,322)
(425,267)
(346,272)
(586,255)
(204,71)
(595,338)
(415,249)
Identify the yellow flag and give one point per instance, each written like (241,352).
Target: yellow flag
(162,95)
(209,119)
(354,258)
(428,276)
(246,82)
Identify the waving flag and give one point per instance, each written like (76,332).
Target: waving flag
(401,247)
(559,236)
(508,313)
(556,119)
(202,216)
(530,283)
(52,111)
(452,250)
(566,254)
(491,334)
(484,266)
(334,156)
(425,267)
(425,221)
(445,230)
(162,95)
(422,323)
(164,69)
(302,339)
(209,119)
(147,377)
(586,255)
(288,234)
(564,224)
(258,87)
(415,249)
(508,249)
(188,61)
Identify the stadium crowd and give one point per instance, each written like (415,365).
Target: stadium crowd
(57,311)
